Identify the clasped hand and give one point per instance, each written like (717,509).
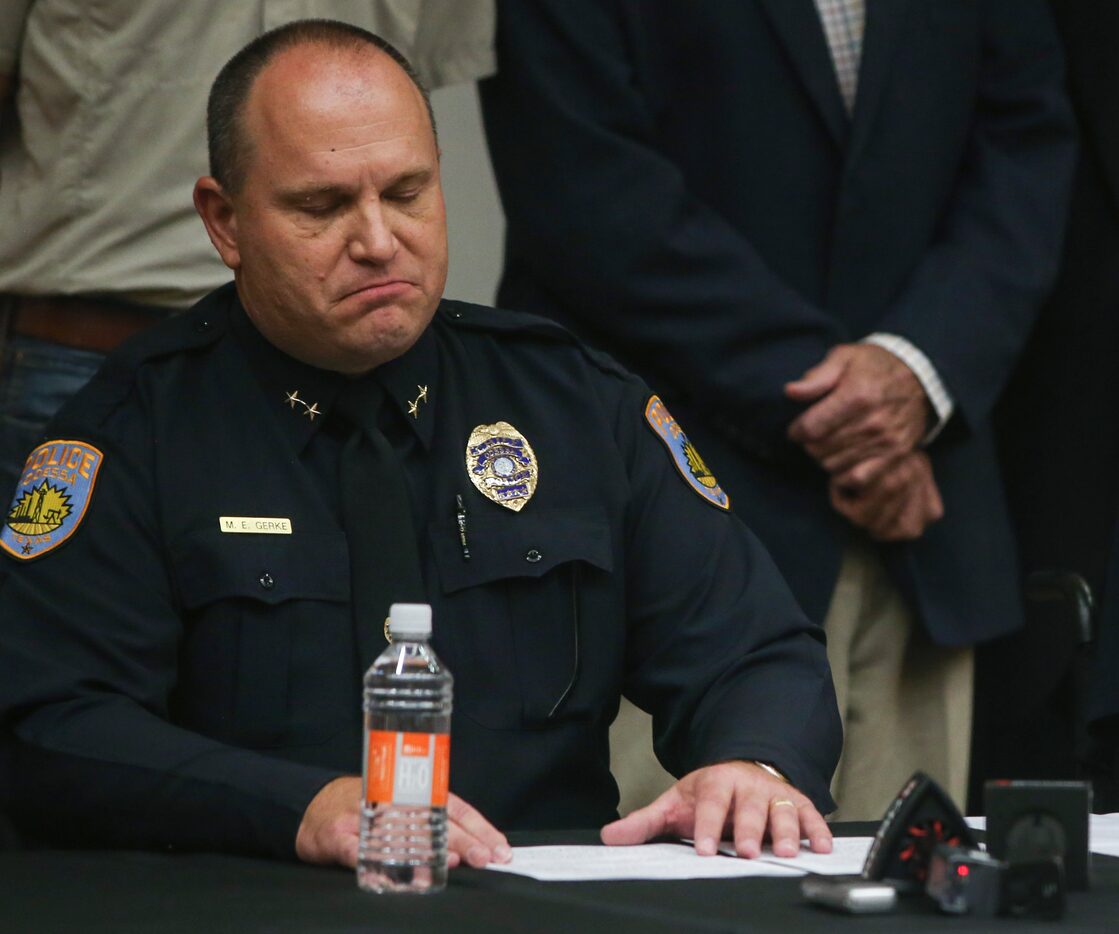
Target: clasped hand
(867,415)
(733,800)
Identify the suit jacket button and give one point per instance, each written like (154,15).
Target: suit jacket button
(532,556)
(266,581)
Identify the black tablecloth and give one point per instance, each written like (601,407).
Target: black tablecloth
(44,891)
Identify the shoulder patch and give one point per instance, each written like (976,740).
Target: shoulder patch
(684,455)
(52,497)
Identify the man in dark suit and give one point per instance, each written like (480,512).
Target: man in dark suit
(732,198)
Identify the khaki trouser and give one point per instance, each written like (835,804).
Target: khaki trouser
(638,773)
(905,702)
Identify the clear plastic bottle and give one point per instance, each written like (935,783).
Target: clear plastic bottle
(403,844)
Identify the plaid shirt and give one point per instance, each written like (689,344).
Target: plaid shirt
(844,22)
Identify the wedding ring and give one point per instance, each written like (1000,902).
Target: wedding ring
(782,802)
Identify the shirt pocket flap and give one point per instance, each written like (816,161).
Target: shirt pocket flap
(516,545)
(210,565)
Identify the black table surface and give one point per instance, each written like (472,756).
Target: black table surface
(44,891)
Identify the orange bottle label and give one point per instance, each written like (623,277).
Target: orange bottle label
(407,768)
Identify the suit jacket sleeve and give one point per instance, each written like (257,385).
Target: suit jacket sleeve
(89,636)
(972,299)
(615,233)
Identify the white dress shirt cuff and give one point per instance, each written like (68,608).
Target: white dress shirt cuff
(937,393)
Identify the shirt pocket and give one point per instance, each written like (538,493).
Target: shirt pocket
(508,625)
(268,656)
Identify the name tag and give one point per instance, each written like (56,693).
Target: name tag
(255,525)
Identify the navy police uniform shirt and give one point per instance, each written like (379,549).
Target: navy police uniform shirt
(179,661)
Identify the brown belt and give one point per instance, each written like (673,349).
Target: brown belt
(79,322)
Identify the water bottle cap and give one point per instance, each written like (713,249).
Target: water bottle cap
(410,619)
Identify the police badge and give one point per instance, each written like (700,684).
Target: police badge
(502,465)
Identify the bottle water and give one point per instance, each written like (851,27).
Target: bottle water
(405,766)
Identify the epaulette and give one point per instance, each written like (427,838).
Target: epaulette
(483,318)
(196,328)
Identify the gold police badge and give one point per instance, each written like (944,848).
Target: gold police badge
(502,465)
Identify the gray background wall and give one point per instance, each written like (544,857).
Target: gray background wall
(475,223)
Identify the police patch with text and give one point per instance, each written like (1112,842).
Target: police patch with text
(50,502)
(684,455)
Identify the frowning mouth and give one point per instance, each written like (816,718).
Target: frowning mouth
(377,292)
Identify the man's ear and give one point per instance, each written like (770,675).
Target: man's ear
(215,207)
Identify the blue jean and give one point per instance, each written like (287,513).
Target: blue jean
(36,378)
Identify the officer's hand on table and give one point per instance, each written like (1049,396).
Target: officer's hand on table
(731,799)
(328,833)
(869,411)
(898,506)
(329,830)
(471,838)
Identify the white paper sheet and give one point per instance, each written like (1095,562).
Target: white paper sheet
(1103,834)
(845,859)
(679,860)
(649,861)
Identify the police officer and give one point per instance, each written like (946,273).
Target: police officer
(200,555)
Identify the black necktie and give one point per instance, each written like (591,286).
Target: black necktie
(384,556)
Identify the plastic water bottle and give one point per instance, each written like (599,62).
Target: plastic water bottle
(406,762)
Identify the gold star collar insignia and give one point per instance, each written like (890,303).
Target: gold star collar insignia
(309,410)
(414,405)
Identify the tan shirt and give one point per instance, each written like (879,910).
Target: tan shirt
(99,161)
